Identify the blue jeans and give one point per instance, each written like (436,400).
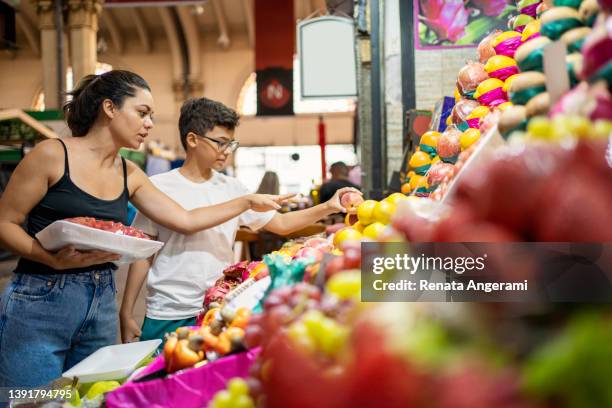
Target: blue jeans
(48,323)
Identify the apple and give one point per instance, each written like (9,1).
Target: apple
(318,243)
(351,200)
(309,252)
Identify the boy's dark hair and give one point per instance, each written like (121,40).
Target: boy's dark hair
(201,115)
(82,110)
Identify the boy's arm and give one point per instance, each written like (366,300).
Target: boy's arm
(137,274)
(283,224)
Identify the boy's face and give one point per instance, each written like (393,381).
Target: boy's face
(212,149)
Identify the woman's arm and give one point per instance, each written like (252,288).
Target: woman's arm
(27,186)
(160,208)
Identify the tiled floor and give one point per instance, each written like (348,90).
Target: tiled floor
(6,272)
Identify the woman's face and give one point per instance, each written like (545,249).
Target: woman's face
(131,124)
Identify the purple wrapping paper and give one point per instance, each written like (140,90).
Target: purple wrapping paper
(191,388)
(508,47)
(520,29)
(530,10)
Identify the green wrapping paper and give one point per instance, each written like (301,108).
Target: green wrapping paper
(555,29)
(524,95)
(533,62)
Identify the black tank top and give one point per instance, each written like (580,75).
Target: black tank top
(65,199)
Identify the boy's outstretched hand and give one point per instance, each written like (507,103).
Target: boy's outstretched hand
(335,204)
(266,202)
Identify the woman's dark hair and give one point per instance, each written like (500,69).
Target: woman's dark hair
(82,110)
(201,115)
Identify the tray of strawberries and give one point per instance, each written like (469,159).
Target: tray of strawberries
(87,233)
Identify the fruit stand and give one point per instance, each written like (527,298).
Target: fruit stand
(513,165)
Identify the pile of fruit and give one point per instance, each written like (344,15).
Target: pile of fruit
(366,219)
(221,333)
(110,226)
(507,87)
(233,276)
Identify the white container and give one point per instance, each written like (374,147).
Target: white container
(112,362)
(63,233)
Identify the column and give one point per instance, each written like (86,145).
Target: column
(83,26)
(48,46)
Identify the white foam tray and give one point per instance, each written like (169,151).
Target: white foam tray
(63,233)
(112,362)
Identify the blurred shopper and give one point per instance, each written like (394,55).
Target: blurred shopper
(339,179)
(269,183)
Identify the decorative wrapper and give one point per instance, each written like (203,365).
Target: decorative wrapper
(463,126)
(469,94)
(530,10)
(493,98)
(421,170)
(428,149)
(504,73)
(576,46)
(590,22)
(520,29)
(596,55)
(508,47)
(568,3)
(605,73)
(533,62)
(573,77)
(474,123)
(451,159)
(524,95)
(531,37)
(555,29)
(520,127)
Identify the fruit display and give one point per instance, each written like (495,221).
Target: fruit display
(221,332)
(233,276)
(110,226)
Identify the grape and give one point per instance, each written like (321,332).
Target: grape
(283,292)
(272,301)
(223,399)
(277,317)
(253,335)
(237,386)
(243,401)
(255,387)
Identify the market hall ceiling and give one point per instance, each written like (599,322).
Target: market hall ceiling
(220,18)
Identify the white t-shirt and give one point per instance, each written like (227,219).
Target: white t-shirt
(188,265)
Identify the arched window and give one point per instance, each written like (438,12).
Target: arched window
(39,100)
(247,99)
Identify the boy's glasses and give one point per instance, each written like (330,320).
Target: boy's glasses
(231,145)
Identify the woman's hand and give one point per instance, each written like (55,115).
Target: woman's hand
(266,202)
(69,257)
(334,203)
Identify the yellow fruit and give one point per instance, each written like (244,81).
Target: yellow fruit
(358,226)
(365,212)
(395,198)
(372,231)
(345,285)
(435,160)
(406,188)
(101,387)
(419,159)
(418,182)
(468,138)
(383,212)
(346,234)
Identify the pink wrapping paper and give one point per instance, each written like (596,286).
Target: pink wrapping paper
(493,98)
(473,123)
(191,388)
(504,73)
(508,47)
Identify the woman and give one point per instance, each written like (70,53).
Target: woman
(60,307)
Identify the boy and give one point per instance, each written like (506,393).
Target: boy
(188,265)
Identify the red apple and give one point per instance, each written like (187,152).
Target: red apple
(350,200)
